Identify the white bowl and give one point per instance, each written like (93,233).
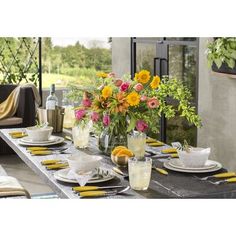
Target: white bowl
(197,157)
(39,134)
(84,163)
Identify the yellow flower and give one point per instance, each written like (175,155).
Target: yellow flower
(102,75)
(133,99)
(155,82)
(106,92)
(143,76)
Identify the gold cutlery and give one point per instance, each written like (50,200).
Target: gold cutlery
(120,172)
(57,166)
(92,188)
(169,150)
(103,193)
(52,162)
(221,175)
(150,140)
(156,144)
(161,171)
(230,180)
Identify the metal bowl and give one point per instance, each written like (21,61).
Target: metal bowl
(121,161)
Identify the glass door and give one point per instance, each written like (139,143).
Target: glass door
(176,57)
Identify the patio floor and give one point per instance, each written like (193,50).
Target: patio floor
(15,167)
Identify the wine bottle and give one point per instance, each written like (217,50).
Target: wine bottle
(52,100)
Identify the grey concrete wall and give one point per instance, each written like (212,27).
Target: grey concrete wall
(121,56)
(217,107)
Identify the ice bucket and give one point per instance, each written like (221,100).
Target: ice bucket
(54,118)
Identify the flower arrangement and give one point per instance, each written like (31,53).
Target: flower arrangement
(140,102)
(120,105)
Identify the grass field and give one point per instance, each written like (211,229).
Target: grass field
(58,79)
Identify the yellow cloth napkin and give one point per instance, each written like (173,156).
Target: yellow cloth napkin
(9,186)
(169,150)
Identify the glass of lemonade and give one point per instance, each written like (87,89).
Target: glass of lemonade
(140,173)
(137,143)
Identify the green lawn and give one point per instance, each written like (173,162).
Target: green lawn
(58,79)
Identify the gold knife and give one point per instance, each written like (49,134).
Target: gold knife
(91,188)
(161,171)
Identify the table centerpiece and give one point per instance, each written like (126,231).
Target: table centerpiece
(119,106)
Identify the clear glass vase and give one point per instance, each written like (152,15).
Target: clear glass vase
(109,140)
(80,134)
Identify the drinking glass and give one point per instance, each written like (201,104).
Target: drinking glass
(140,173)
(137,143)
(80,134)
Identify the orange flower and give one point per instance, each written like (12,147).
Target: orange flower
(106,92)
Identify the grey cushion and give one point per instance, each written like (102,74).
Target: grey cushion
(11,121)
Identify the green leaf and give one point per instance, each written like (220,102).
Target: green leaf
(131,124)
(218,62)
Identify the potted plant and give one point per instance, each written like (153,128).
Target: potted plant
(221,55)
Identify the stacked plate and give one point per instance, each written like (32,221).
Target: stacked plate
(26,141)
(62,175)
(176,165)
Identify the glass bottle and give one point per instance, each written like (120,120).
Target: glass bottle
(52,100)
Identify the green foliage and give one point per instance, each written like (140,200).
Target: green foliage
(171,87)
(222,50)
(66,60)
(19,60)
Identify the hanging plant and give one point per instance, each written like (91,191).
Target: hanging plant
(221,55)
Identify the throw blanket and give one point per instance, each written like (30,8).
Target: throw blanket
(9,106)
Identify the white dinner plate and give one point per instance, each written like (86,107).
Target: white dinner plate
(52,139)
(218,166)
(62,176)
(178,164)
(58,141)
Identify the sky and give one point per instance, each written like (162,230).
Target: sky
(83,40)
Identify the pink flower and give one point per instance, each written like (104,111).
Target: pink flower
(79,114)
(143,98)
(111,75)
(124,86)
(141,126)
(87,102)
(138,87)
(95,116)
(118,82)
(106,120)
(152,103)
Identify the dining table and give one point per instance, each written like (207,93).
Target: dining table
(174,185)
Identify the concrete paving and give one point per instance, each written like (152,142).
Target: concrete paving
(15,167)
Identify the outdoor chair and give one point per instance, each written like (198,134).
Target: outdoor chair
(25,114)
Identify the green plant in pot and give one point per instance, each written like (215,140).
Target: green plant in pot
(221,55)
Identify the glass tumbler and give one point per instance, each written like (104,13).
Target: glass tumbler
(140,173)
(137,144)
